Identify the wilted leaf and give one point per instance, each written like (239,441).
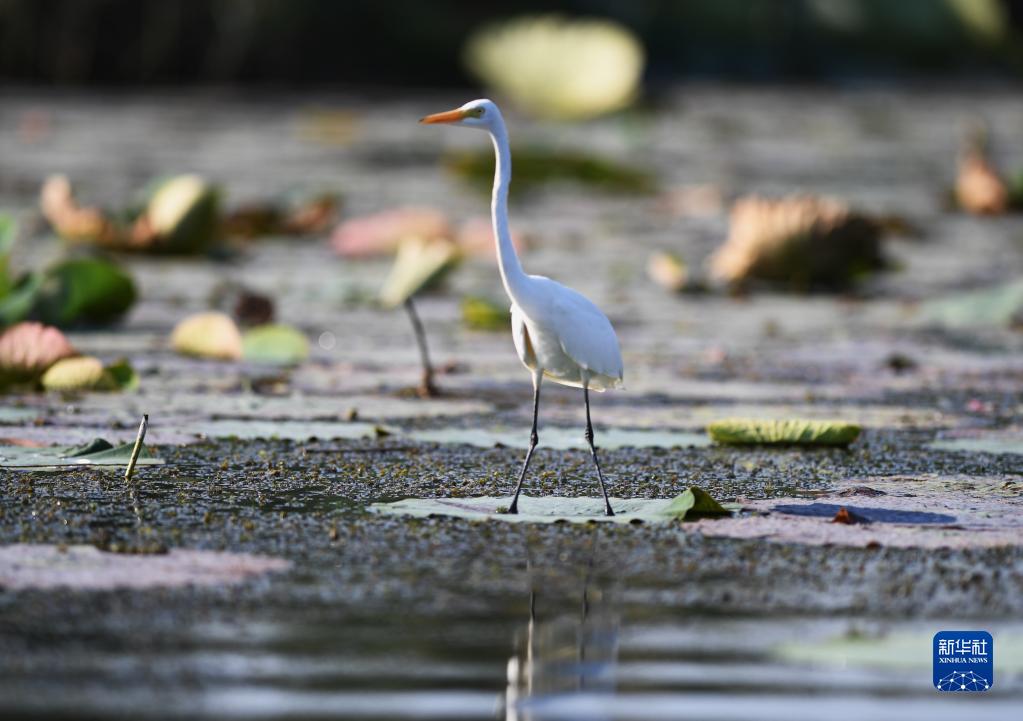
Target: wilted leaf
(799,242)
(208,335)
(275,343)
(743,431)
(554,509)
(381,233)
(484,314)
(83,290)
(535,167)
(28,349)
(668,271)
(418,264)
(73,222)
(83,373)
(979,188)
(551,67)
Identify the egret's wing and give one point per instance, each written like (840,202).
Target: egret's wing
(585,333)
(520,336)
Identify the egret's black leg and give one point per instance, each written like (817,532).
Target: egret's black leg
(427,388)
(593,451)
(533,440)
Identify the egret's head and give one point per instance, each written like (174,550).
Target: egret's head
(474,114)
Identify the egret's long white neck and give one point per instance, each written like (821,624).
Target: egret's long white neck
(512,275)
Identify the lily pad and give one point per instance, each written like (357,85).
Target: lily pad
(996,306)
(83,290)
(561,438)
(485,314)
(208,335)
(275,343)
(982,444)
(692,503)
(535,167)
(751,431)
(97,453)
(419,264)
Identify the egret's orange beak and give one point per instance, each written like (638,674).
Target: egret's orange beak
(450,116)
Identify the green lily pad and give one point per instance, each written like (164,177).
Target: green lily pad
(561,438)
(97,453)
(751,431)
(983,444)
(536,167)
(997,306)
(8,234)
(275,343)
(485,314)
(83,290)
(693,503)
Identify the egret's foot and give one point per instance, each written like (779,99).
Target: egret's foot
(513,509)
(608,511)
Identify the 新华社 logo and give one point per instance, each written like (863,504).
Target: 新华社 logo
(964,661)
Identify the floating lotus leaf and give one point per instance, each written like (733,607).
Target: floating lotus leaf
(181,217)
(535,167)
(382,233)
(208,335)
(485,314)
(97,452)
(556,68)
(691,504)
(275,343)
(798,242)
(8,235)
(419,264)
(28,349)
(83,373)
(747,431)
(668,271)
(83,290)
(998,305)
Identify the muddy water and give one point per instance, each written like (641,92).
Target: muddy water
(440,618)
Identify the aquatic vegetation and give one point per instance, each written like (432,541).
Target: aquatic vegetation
(82,373)
(484,314)
(552,67)
(381,233)
(208,335)
(536,167)
(798,243)
(276,344)
(691,504)
(28,349)
(747,431)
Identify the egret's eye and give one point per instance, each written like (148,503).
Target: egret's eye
(475,113)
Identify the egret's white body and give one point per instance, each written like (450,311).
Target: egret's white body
(558,333)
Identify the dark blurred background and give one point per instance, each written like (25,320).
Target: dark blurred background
(415,43)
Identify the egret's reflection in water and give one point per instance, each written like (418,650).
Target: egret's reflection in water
(569,645)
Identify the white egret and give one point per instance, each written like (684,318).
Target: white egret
(558,333)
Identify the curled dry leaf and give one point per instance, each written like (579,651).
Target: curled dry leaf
(668,271)
(182,217)
(418,264)
(381,233)
(979,188)
(552,67)
(799,242)
(73,222)
(28,349)
(208,335)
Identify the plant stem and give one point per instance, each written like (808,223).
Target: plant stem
(427,389)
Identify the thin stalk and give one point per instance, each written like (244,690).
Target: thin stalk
(427,389)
